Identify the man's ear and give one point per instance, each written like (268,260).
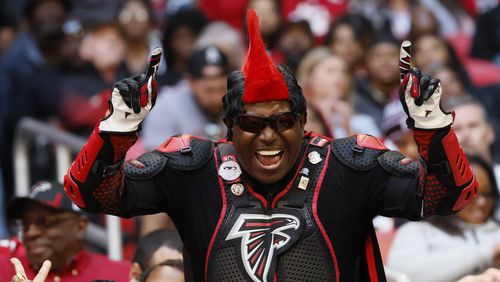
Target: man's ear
(135,272)
(303,118)
(490,135)
(82,226)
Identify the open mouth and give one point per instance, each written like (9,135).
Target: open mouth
(269,159)
(37,249)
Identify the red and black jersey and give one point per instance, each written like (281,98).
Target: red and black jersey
(315,224)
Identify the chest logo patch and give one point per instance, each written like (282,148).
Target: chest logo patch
(263,237)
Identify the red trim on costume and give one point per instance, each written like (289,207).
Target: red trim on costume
(176,143)
(263,81)
(86,158)
(370,259)
(368,141)
(423,139)
(459,164)
(319,140)
(316,216)
(257,195)
(466,195)
(73,191)
(289,185)
(221,217)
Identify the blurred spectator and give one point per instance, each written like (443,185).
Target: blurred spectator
(91,12)
(269,12)
(452,85)
(393,16)
(478,7)
(474,131)
(396,132)
(169,270)
(318,13)
(84,95)
(31,51)
(154,249)
(382,77)
(453,19)
(423,22)
(294,41)
(398,15)
(193,107)
(54,229)
(490,275)
(327,85)
(8,27)
(448,248)
(182,31)
(432,52)
(316,123)
(349,37)
(486,42)
(136,20)
(227,39)
(231,12)
(70,50)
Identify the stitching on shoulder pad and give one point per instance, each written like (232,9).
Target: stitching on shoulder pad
(200,151)
(146,166)
(353,155)
(397,164)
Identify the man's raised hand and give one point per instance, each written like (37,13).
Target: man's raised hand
(132,99)
(21,274)
(420,95)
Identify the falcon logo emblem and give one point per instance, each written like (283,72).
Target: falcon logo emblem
(263,237)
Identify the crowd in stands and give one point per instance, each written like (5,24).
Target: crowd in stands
(59,60)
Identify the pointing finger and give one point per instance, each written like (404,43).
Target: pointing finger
(154,61)
(44,271)
(404,59)
(18,266)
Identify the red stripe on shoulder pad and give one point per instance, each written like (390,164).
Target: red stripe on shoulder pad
(179,143)
(319,140)
(368,141)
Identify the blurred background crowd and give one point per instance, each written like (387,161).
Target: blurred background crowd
(59,60)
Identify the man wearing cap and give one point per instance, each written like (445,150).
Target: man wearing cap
(272,203)
(52,228)
(194,105)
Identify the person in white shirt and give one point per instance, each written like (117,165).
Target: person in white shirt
(448,248)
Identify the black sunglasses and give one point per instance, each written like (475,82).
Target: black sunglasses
(255,124)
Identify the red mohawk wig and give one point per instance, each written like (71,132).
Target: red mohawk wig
(263,81)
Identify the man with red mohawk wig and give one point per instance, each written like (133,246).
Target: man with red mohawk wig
(272,202)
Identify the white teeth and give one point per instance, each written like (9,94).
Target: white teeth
(269,153)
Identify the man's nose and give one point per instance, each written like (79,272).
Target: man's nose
(268,135)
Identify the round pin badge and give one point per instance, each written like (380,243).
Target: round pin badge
(237,189)
(314,157)
(229,170)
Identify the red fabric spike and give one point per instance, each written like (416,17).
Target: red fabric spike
(263,81)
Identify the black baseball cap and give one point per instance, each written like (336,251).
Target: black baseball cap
(208,56)
(47,193)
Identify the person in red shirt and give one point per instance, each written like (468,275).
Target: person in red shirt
(53,228)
